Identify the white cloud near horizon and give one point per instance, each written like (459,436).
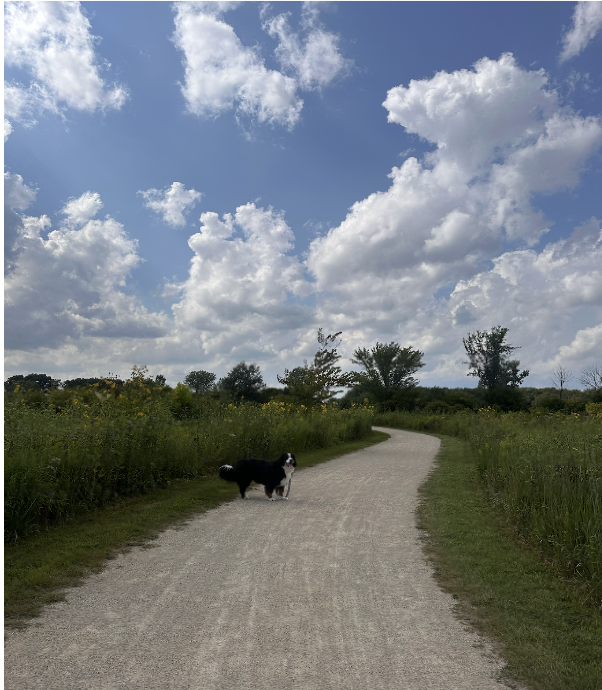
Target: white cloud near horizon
(586,22)
(171,203)
(70,284)
(222,74)
(53,43)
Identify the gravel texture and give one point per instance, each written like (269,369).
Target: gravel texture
(329,589)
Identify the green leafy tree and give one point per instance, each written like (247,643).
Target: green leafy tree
(316,382)
(31,382)
(201,381)
(387,368)
(489,359)
(243,381)
(82,382)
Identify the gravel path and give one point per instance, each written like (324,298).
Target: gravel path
(328,590)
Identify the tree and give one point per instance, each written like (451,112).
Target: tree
(388,368)
(160,380)
(243,381)
(560,377)
(31,382)
(591,377)
(489,359)
(200,380)
(315,382)
(81,382)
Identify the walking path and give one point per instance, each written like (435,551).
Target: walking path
(328,590)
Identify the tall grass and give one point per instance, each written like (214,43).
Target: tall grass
(80,456)
(544,473)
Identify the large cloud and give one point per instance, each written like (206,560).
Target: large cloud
(221,73)
(548,299)
(587,21)
(70,285)
(244,290)
(500,136)
(52,41)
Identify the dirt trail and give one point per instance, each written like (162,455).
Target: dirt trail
(327,590)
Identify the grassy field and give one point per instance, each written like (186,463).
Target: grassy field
(549,638)
(40,567)
(76,451)
(543,476)
(512,522)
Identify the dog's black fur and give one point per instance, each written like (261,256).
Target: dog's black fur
(273,475)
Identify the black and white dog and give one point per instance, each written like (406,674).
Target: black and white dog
(273,475)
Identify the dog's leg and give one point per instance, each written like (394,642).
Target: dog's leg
(243,490)
(269,494)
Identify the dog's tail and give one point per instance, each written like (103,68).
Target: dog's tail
(227,472)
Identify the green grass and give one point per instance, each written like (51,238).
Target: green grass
(40,567)
(549,639)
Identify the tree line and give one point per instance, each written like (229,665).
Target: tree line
(386,376)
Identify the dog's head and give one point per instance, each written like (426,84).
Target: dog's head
(288,462)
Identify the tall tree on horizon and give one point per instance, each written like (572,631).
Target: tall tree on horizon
(488,358)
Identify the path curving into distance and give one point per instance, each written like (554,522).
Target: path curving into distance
(328,590)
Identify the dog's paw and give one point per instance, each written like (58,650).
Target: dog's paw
(284,498)
(272,499)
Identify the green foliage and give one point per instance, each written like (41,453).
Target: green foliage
(201,381)
(41,382)
(488,357)
(388,368)
(181,406)
(243,381)
(83,448)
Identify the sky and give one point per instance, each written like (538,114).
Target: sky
(191,185)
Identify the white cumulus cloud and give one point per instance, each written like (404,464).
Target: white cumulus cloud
(171,203)
(587,21)
(312,56)
(53,43)
(244,288)
(80,210)
(222,74)
(500,136)
(69,285)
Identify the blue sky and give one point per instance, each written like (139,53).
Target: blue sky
(190,185)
